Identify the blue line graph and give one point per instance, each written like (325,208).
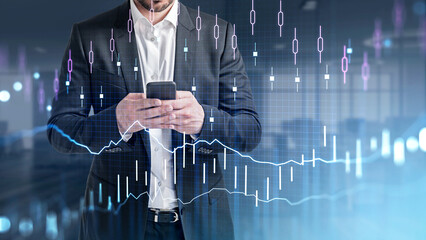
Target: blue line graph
(396,192)
(375,156)
(26,133)
(111,143)
(331,197)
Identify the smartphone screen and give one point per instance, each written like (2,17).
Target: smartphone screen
(164,90)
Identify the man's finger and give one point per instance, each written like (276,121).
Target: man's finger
(142,104)
(183,94)
(156,122)
(165,126)
(135,96)
(180,122)
(179,103)
(183,113)
(154,112)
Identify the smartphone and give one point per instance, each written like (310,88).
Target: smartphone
(164,90)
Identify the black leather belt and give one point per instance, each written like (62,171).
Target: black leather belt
(163,216)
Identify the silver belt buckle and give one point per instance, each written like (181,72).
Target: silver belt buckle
(176,217)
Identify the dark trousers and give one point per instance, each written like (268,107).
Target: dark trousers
(164,231)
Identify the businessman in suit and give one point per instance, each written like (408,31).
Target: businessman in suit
(148,180)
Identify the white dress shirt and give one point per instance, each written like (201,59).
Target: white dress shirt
(156,47)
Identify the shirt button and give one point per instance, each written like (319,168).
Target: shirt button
(153,39)
(156,149)
(159,184)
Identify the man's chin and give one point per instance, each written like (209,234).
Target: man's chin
(161,8)
(159,5)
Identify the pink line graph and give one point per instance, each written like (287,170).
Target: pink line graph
(344,64)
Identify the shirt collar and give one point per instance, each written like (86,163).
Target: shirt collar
(171,17)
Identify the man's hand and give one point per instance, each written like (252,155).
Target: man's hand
(187,115)
(151,113)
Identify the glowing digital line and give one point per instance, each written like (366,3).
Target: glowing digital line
(112,143)
(159,193)
(29,133)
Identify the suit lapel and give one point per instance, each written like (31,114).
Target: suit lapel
(184,61)
(185,47)
(127,54)
(127,51)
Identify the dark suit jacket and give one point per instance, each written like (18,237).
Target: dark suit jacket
(236,123)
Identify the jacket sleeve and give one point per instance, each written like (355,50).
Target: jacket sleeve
(70,128)
(234,122)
